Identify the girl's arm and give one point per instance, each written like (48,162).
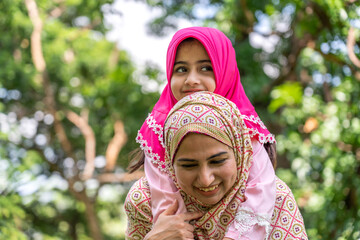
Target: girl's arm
(170,226)
(253,219)
(163,190)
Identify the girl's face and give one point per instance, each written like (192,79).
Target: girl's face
(192,71)
(205,168)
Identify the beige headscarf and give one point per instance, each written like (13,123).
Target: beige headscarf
(213,115)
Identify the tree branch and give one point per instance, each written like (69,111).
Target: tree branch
(350,46)
(36,48)
(40,65)
(90,143)
(120,178)
(50,103)
(115,146)
(336,59)
(248,14)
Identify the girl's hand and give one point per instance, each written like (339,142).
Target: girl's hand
(171,226)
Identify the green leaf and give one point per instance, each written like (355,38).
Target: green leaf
(287,94)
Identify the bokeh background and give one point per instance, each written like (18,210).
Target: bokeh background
(78,78)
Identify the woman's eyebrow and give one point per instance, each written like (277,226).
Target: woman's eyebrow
(216,155)
(185,160)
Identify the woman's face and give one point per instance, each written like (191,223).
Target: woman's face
(192,71)
(205,168)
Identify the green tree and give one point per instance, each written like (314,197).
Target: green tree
(299,66)
(68,103)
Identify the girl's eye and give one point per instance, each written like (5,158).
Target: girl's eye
(206,68)
(180,70)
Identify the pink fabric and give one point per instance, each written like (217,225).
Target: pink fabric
(228,85)
(260,192)
(163,190)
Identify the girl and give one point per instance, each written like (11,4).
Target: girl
(203,59)
(208,157)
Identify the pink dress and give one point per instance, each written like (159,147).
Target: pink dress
(260,193)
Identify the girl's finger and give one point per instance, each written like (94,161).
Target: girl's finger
(172,209)
(191,215)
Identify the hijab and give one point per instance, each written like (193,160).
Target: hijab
(228,85)
(217,117)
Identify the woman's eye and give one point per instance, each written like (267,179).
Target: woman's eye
(188,165)
(218,161)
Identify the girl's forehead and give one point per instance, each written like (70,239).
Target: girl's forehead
(189,42)
(192,47)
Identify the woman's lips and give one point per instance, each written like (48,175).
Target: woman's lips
(208,191)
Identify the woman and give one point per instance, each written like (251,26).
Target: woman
(208,156)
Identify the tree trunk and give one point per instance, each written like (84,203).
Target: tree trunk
(92,220)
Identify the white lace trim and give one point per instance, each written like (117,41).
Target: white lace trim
(254,119)
(154,157)
(157,128)
(262,138)
(245,219)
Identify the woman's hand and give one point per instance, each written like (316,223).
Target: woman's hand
(171,226)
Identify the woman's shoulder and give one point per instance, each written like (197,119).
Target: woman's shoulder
(286,219)
(282,189)
(285,196)
(138,201)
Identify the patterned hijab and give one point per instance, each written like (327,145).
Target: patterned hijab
(213,115)
(228,85)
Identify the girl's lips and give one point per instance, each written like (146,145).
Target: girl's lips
(192,91)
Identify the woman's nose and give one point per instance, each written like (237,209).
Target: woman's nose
(192,78)
(205,177)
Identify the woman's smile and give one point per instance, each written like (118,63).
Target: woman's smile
(208,191)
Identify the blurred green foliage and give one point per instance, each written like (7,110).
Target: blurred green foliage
(294,66)
(42,194)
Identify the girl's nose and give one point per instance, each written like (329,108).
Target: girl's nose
(205,177)
(192,78)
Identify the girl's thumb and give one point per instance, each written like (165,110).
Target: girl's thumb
(172,208)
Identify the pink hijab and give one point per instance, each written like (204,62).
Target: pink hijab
(228,84)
